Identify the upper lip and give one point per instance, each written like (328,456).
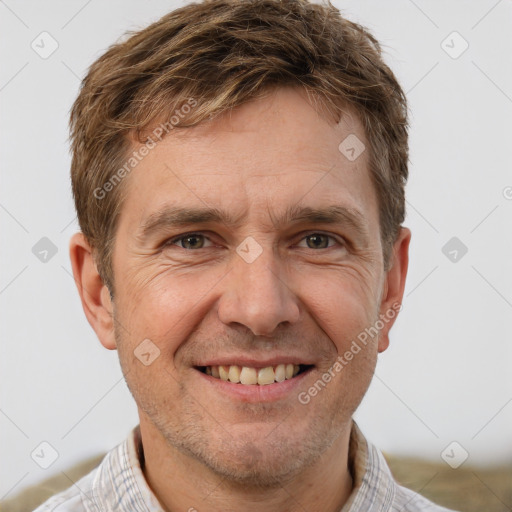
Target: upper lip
(253,362)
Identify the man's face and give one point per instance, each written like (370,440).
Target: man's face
(265,291)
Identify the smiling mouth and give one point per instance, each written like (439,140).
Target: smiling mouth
(250,376)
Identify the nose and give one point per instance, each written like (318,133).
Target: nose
(258,296)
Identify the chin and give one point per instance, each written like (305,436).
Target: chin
(268,461)
(253,469)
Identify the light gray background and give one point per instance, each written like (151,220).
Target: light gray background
(447,374)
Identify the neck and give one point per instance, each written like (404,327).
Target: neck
(182,483)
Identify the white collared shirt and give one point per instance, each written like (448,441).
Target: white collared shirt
(118,484)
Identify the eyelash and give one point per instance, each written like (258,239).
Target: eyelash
(172,241)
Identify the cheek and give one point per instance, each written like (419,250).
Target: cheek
(165,307)
(342,303)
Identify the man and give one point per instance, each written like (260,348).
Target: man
(238,171)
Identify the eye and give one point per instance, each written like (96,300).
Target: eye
(318,241)
(189,241)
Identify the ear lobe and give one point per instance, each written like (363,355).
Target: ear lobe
(94,295)
(394,285)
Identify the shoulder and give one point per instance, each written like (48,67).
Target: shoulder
(73,499)
(407,500)
(115,484)
(377,488)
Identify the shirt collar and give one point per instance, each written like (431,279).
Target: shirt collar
(120,481)
(119,484)
(374,487)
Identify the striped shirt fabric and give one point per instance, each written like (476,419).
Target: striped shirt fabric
(118,484)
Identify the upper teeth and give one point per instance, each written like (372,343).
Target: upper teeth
(247,375)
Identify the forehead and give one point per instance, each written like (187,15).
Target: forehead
(257,161)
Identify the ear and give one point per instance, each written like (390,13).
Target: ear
(95,296)
(394,284)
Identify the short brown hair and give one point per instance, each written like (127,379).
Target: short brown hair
(223,53)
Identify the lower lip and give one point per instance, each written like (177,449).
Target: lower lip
(256,393)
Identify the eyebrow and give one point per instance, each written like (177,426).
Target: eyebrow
(176,217)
